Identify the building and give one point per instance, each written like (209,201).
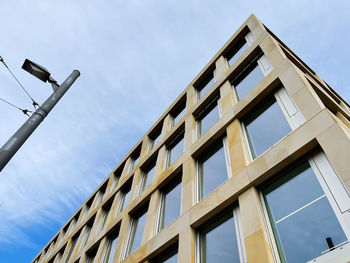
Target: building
(249,164)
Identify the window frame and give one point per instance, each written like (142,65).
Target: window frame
(324,174)
(198,168)
(207,78)
(292,114)
(161,201)
(247,38)
(170,146)
(239,234)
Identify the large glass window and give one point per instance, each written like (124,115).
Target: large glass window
(147,175)
(219,240)
(205,83)
(168,256)
(103,219)
(237,51)
(86,235)
(123,200)
(245,81)
(137,225)
(74,241)
(155,136)
(175,149)
(303,221)
(178,111)
(212,169)
(266,126)
(109,249)
(170,203)
(208,117)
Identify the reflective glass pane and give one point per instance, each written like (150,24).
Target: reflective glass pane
(136,233)
(110,250)
(170,256)
(238,54)
(206,87)
(299,191)
(176,151)
(179,116)
(301,216)
(171,206)
(267,128)
(249,82)
(209,120)
(219,242)
(147,179)
(213,171)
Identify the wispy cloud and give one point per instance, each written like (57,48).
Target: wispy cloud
(130,54)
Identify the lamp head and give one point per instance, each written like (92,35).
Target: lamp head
(35,69)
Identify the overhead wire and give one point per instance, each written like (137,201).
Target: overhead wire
(25,111)
(34,103)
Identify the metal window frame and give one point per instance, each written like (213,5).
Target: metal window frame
(325,175)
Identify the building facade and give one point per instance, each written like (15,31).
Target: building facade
(249,164)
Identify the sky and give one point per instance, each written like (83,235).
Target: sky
(135,58)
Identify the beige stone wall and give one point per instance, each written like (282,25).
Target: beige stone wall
(321,129)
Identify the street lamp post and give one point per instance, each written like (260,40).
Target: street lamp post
(8,150)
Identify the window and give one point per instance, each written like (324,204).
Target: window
(247,79)
(91,254)
(137,224)
(175,149)
(135,157)
(170,203)
(147,175)
(109,249)
(87,209)
(205,83)
(220,240)
(155,136)
(168,256)
(116,176)
(304,221)
(74,241)
(86,236)
(103,218)
(207,117)
(238,48)
(123,199)
(212,170)
(266,126)
(178,112)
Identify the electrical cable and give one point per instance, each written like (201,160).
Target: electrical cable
(33,101)
(25,111)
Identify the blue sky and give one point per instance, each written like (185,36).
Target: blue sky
(135,58)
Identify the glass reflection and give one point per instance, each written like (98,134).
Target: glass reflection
(301,215)
(176,151)
(179,117)
(147,179)
(171,206)
(238,54)
(136,233)
(207,86)
(249,82)
(266,127)
(110,250)
(212,170)
(208,120)
(218,241)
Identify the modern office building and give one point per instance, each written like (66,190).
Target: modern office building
(251,163)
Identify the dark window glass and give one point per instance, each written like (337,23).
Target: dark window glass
(147,178)
(171,206)
(218,241)
(178,116)
(208,118)
(138,224)
(242,48)
(110,249)
(169,256)
(249,80)
(175,149)
(74,241)
(207,86)
(124,199)
(212,170)
(301,216)
(266,126)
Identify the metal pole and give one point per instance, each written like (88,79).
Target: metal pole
(8,150)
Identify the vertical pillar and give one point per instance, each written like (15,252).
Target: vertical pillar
(255,237)
(186,251)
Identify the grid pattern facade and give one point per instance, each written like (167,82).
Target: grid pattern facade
(254,119)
